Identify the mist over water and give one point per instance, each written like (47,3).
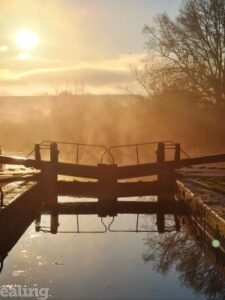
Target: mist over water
(107,120)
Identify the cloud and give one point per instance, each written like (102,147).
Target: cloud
(4,48)
(93,44)
(93,76)
(98,74)
(7,76)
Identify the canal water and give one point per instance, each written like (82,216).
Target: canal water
(118,264)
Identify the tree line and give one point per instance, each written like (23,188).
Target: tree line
(186,55)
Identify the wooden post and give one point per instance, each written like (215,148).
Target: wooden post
(54,223)
(173,176)
(42,190)
(53,174)
(166,176)
(50,177)
(107,186)
(177,153)
(160,222)
(161,172)
(1,166)
(162,185)
(37,152)
(177,223)
(37,223)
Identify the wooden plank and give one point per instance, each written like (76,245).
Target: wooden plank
(199,160)
(75,170)
(18,161)
(81,171)
(122,172)
(153,168)
(137,171)
(7,179)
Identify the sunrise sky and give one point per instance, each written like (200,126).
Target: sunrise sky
(48,45)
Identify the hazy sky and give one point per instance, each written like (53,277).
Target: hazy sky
(73,43)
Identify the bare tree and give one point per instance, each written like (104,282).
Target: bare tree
(190,51)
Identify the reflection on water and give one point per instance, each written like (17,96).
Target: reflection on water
(131,260)
(199,265)
(121,223)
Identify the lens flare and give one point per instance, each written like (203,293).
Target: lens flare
(215,243)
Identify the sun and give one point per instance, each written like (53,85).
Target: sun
(26,39)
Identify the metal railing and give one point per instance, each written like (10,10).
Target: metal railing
(48,229)
(46,144)
(107,151)
(168,145)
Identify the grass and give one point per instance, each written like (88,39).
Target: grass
(216,184)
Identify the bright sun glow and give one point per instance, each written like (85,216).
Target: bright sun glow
(26,39)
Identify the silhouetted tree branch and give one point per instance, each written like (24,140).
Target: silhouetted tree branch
(190,51)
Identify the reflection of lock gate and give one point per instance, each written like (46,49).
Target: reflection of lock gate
(172,224)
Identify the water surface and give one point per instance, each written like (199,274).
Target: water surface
(114,265)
